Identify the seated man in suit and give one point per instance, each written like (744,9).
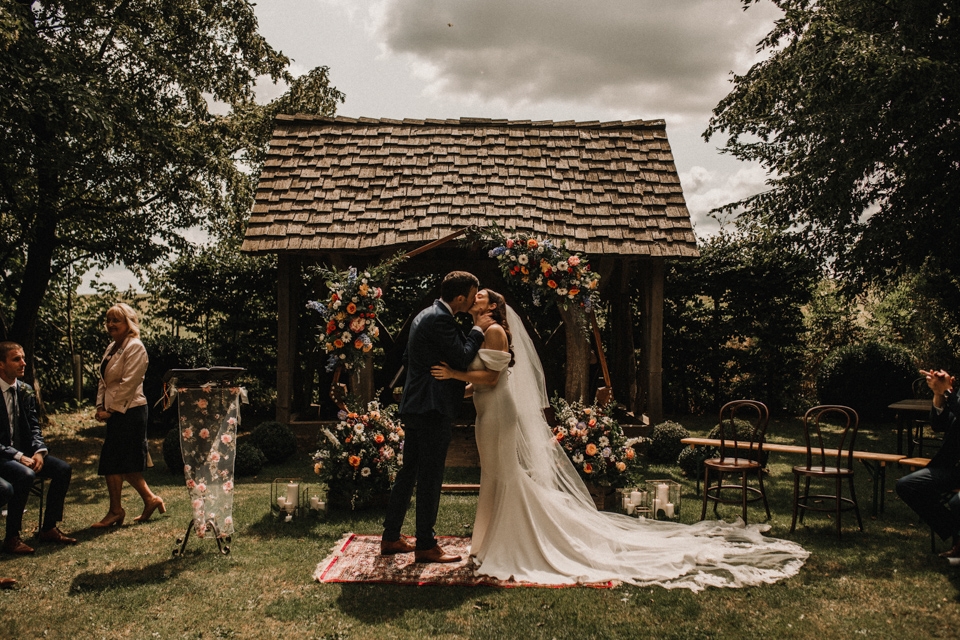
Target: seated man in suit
(6,494)
(23,455)
(923,490)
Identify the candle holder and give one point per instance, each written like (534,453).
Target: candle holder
(311,501)
(664,499)
(285,498)
(633,501)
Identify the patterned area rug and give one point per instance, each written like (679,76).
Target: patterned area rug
(357,558)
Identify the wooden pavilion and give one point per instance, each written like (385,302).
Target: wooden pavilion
(345,191)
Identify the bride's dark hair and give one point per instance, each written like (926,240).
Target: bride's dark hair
(499,314)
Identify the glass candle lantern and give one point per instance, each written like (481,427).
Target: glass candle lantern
(664,499)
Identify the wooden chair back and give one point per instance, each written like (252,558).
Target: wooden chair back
(732,438)
(830,447)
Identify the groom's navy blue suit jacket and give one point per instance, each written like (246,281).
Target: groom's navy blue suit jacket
(436,337)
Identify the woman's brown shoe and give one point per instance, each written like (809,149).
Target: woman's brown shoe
(148,510)
(110,520)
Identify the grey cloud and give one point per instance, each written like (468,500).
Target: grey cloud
(654,59)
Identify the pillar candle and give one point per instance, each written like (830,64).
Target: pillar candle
(314,502)
(630,508)
(281,501)
(656,507)
(635,497)
(663,493)
(293,494)
(668,510)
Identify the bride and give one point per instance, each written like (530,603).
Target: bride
(536,521)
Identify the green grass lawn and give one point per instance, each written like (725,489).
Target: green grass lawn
(125,583)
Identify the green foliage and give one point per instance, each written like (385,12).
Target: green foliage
(853,108)
(172,454)
(115,139)
(275,440)
(733,321)
(250,460)
(691,460)
(665,443)
(866,377)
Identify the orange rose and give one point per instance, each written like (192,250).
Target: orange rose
(551,284)
(531,243)
(588,468)
(559,436)
(358,344)
(621,467)
(630,453)
(574,291)
(338,343)
(351,308)
(591,449)
(524,270)
(354,461)
(378,438)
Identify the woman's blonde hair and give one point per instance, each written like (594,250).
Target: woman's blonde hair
(125,311)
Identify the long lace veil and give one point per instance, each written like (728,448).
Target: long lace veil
(539,454)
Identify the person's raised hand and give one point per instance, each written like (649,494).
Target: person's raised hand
(485,321)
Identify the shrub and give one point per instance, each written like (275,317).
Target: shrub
(866,377)
(250,460)
(275,440)
(172,455)
(665,443)
(691,460)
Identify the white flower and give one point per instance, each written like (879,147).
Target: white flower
(561,291)
(577,458)
(347,336)
(523,259)
(562,265)
(332,438)
(603,441)
(365,472)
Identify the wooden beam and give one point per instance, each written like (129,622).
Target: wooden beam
(652,277)
(288,267)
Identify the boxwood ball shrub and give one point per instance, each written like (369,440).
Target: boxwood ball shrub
(275,440)
(665,443)
(867,377)
(250,460)
(172,455)
(691,460)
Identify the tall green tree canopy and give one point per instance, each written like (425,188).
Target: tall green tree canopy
(856,113)
(123,123)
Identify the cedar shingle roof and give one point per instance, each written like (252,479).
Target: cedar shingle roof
(346,184)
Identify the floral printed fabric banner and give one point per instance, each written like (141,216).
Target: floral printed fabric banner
(209,416)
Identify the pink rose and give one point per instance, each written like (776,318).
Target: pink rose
(226,438)
(204,433)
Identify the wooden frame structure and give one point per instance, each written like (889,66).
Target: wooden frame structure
(345,191)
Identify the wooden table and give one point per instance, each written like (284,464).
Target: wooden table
(911,407)
(875,463)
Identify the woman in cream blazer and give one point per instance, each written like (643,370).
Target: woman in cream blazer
(122,405)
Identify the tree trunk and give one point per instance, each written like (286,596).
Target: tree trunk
(575,325)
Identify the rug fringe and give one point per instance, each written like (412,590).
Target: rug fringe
(327,563)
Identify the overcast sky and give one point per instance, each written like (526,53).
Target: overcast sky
(537,60)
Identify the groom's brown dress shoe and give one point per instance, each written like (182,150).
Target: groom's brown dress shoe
(434,555)
(16,546)
(7,583)
(394,547)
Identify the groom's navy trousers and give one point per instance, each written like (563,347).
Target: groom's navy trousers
(427,410)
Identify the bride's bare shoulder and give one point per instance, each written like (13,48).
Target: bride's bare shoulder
(495,338)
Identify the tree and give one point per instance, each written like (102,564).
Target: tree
(113,138)
(733,324)
(856,113)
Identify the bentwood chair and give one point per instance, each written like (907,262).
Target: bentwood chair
(741,454)
(829,433)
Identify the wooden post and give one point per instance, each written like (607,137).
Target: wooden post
(652,349)
(288,267)
(623,356)
(576,326)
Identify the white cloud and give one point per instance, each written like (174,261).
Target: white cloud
(705,190)
(644,58)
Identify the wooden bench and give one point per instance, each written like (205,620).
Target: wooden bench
(875,463)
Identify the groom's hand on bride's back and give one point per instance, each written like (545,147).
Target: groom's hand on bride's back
(485,321)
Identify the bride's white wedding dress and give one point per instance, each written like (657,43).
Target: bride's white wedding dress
(536,521)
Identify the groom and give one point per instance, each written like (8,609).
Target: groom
(427,410)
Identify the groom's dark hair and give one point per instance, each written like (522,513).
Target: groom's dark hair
(457,283)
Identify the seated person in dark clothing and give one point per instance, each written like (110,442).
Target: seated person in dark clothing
(924,490)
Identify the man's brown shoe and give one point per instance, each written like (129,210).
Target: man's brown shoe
(434,555)
(16,545)
(55,535)
(7,583)
(953,553)
(394,547)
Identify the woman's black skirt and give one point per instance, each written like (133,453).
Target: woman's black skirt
(125,447)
